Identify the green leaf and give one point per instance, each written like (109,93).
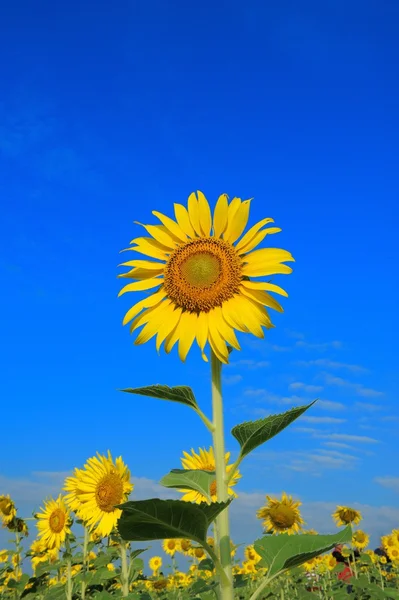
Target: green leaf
(135,553)
(187,479)
(156,519)
(281,552)
(252,434)
(180,393)
(206,565)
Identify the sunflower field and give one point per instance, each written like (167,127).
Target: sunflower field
(204,282)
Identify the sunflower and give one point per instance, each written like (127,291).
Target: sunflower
(393,553)
(205,461)
(251,555)
(281,516)
(170,546)
(53,523)
(201,277)
(155,563)
(198,552)
(3,556)
(184,546)
(97,489)
(345,515)
(389,541)
(360,539)
(7,510)
(395,535)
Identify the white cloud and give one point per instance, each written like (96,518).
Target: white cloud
(346,437)
(232,379)
(299,385)
(367,406)
(250,364)
(294,334)
(331,364)
(358,388)
(330,405)
(392,483)
(310,419)
(321,347)
(338,445)
(277,348)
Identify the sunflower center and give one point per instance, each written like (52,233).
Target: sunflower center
(57,520)
(283,516)
(5,506)
(213,489)
(171,544)
(109,492)
(202,274)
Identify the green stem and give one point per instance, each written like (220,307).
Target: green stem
(208,424)
(85,543)
(222,520)
(234,469)
(68,589)
(125,569)
(354,563)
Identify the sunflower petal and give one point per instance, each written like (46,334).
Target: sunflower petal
(216,320)
(204,214)
(264,285)
(268,256)
(183,220)
(160,234)
(138,286)
(188,324)
(193,212)
(170,224)
(257,239)
(152,300)
(218,345)
(247,238)
(152,327)
(172,317)
(231,214)
(220,216)
(239,222)
(149,247)
(261,271)
(262,298)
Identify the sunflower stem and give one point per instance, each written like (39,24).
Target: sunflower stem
(222,520)
(125,569)
(208,424)
(68,590)
(85,543)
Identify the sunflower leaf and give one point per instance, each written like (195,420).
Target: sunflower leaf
(252,434)
(179,393)
(190,479)
(156,519)
(282,552)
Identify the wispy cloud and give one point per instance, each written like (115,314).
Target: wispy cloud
(232,379)
(338,445)
(321,420)
(297,335)
(392,483)
(358,388)
(330,405)
(366,406)
(250,364)
(278,348)
(299,385)
(319,346)
(330,364)
(347,437)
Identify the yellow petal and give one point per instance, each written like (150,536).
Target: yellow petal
(264,285)
(149,247)
(262,298)
(183,220)
(252,316)
(205,216)
(152,327)
(257,239)
(141,273)
(232,315)
(247,238)
(193,212)
(143,264)
(231,213)
(152,300)
(172,318)
(201,333)
(171,225)
(238,223)
(138,286)
(220,216)
(216,320)
(266,256)
(160,234)
(218,345)
(188,323)
(172,338)
(261,271)
(144,317)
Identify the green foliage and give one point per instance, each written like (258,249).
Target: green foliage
(157,519)
(197,480)
(282,552)
(252,434)
(180,393)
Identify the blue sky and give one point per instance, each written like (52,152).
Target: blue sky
(111,110)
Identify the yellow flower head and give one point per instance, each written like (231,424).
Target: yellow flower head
(345,515)
(170,546)
(155,563)
(205,461)
(184,546)
(96,489)
(3,556)
(38,546)
(360,539)
(388,541)
(201,277)
(248,567)
(53,523)
(393,553)
(251,554)
(198,552)
(7,510)
(111,567)
(282,516)
(395,535)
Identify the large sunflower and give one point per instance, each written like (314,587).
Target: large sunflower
(281,516)
(345,515)
(7,510)
(201,277)
(97,489)
(53,523)
(360,539)
(205,461)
